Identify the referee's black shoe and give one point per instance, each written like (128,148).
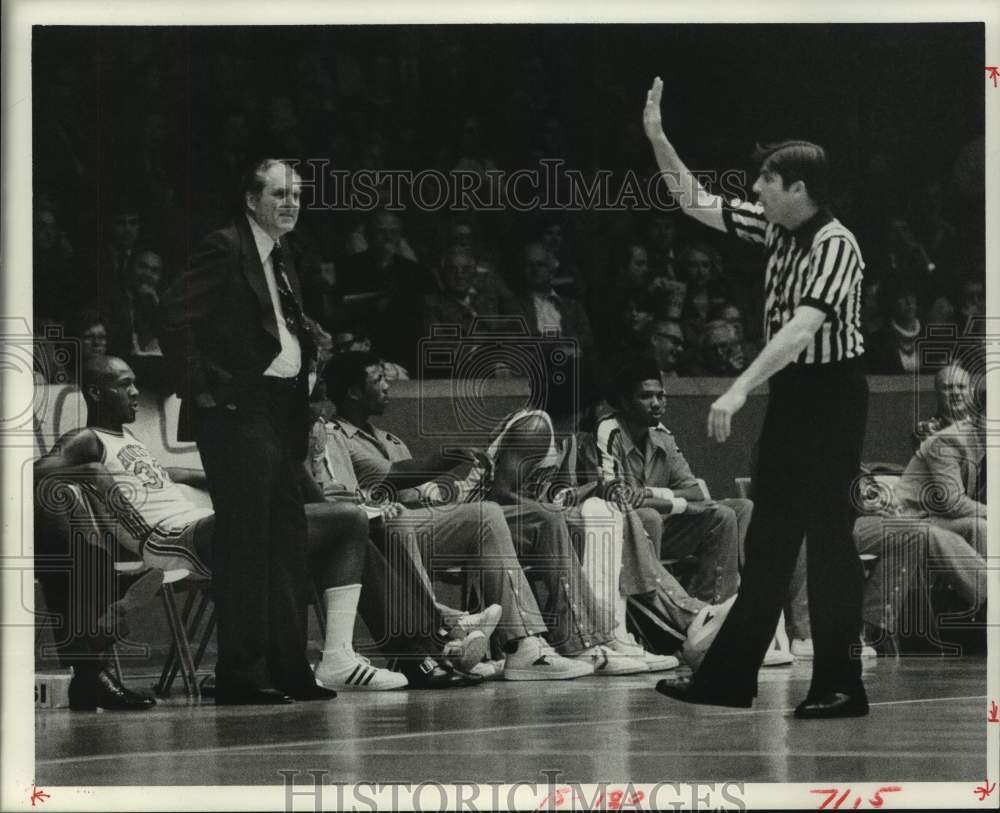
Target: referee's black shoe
(833,705)
(687,691)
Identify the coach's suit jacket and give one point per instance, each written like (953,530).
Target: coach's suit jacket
(947,475)
(219,329)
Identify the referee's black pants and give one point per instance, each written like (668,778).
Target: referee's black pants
(810,451)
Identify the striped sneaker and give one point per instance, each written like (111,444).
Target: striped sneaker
(353,672)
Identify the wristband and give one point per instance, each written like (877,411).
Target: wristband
(661,493)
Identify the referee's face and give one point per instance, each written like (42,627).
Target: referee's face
(777,201)
(647,403)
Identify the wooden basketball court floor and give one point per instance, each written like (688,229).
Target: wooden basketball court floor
(926,724)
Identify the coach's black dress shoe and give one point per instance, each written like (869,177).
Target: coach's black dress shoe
(312,693)
(430,674)
(247,696)
(833,705)
(89,691)
(687,691)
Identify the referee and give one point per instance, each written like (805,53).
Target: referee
(810,445)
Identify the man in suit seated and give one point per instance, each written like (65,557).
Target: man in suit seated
(932,522)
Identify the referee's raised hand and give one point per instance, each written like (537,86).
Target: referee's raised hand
(721,412)
(651,121)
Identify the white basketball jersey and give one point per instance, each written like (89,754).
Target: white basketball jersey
(149,499)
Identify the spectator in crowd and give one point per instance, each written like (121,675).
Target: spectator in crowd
(722,351)
(134,312)
(633,445)
(383,231)
(85,336)
(547,313)
(114,269)
(665,340)
(383,265)
(895,350)
(934,229)
(700,267)
(660,240)
(941,312)
(624,308)
(952,394)
(465,294)
(463,230)
(550,231)
(392,286)
(932,522)
(971,302)
(694,316)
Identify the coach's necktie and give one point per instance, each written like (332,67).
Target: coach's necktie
(289,304)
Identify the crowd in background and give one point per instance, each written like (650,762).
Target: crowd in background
(137,146)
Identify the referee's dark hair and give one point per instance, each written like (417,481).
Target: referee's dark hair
(347,370)
(797,161)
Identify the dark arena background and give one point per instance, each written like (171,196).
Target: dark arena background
(500,140)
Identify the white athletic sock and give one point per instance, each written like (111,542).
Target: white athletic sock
(341,609)
(621,611)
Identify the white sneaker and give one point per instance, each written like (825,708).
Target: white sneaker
(489,670)
(802,649)
(609,663)
(630,648)
(777,657)
(703,630)
(353,672)
(468,651)
(534,659)
(486,622)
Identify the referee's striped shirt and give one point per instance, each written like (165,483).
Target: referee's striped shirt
(818,264)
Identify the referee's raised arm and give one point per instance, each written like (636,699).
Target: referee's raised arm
(694,199)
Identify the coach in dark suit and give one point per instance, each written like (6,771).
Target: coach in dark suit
(240,346)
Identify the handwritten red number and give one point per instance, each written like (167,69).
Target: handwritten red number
(831,793)
(992,73)
(39,795)
(984,790)
(993,713)
(877,800)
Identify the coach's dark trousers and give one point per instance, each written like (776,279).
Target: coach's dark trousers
(810,451)
(252,449)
